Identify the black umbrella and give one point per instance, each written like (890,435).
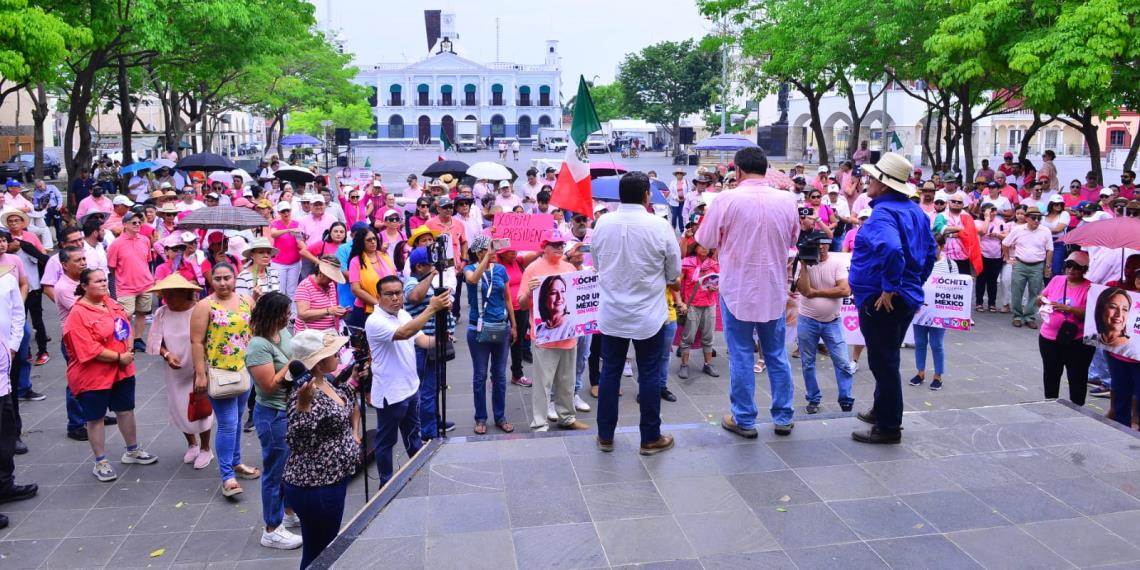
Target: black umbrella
(222,218)
(294,174)
(456,168)
(205,162)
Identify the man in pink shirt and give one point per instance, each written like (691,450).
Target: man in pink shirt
(753,226)
(1049,170)
(317,221)
(129,260)
(96,202)
(14,199)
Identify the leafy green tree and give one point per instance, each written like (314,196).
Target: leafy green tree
(1081,63)
(667,80)
(609,101)
(354,116)
(33,43)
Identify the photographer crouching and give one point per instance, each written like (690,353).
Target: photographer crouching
(323,437)
(393,337)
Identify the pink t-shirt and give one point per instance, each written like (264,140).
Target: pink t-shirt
(514,279)
(1059,290)
(129,258)
(16,263)
(319,299)
(315,228)
(90,204)
(691,271)
(288,252)
(384,269)
(64,296)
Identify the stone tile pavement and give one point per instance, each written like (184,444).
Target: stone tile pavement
(1011,486)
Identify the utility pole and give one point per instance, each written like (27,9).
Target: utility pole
(724,78)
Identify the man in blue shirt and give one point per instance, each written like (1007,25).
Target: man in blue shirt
(893,256)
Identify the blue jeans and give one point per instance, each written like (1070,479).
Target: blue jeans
(23,363)
(271,426)
(320,510)
(810,331)
(670,331)
(1099,370)
(647,351)
(498,356)
(1125,386)
(405,417)
(428,396)
(677,217)
(583,359)
(227,444)
(74,412)
(884,332)
(741,378)
(923,336)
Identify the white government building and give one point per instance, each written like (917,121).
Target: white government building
(412,102)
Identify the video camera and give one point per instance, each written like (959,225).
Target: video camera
(441,253)
(807,248)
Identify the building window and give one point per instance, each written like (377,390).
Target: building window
(395,127)
(497,95)
(445,96)
(424,129)
(498,126)
(469,95)
(1015,137)
(1116,139)
(394,91)
(544,96)
(524,96)
(423,93)
(543,121)
(1051,138)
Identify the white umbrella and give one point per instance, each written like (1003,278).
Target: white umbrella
(164,163)
(489,171)
(227,177)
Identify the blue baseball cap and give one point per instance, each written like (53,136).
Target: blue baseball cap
(11,184)
(419,256)
(357,226)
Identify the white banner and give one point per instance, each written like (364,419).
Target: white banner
(565,306)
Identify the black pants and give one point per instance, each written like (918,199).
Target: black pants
(964,266)
(595,360)
(1072,358)
(987,281)
(35,305)
(9,432)
(518,347)
(883,332)
(320,510)
(458,295)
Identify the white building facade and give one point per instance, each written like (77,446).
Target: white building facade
(412,103)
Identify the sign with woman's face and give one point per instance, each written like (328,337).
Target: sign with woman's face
(1112,320)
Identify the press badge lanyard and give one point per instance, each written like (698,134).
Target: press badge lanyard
(487,296)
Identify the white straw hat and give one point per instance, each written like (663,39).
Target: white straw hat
(893,169)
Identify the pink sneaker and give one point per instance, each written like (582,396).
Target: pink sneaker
(191,454)
(522,381)
(204,459)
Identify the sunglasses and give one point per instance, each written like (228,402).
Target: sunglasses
(1034,217)
(392,219)
(1132,212)
(956,202)
(1075,265)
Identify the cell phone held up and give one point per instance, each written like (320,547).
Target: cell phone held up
(500,244)
(805,212)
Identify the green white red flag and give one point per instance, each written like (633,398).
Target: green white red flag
(572,189)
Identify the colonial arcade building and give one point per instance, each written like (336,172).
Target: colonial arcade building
(412,103)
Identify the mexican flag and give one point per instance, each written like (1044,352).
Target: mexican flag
(572,187)
(444,143)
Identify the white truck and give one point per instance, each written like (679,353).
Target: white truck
(466,135)
(551,139)
(597,142)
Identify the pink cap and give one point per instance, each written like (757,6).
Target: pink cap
(552,236)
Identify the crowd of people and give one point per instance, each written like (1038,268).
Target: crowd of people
(228,311)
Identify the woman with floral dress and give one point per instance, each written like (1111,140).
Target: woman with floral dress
(219,335)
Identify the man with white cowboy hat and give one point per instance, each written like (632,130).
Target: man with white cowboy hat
(892,257)
(678,187)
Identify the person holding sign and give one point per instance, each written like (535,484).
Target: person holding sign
(553,361)
(1062,308)
(893,257)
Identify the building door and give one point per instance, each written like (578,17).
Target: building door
(498,126)
(524,127)
(424,129)
(447,125)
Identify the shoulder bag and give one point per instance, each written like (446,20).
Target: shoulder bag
(492,333)
(1068,332)
(224,383)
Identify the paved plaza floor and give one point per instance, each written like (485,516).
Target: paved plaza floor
(169,514)
(1014,486)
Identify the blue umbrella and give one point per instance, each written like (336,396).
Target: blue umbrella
(299,140)
(725,142)
(606,188)
(137,166)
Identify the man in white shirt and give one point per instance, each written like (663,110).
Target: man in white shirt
(531,187)
(995,197)
(11,335)
(637,255)
(93,247)
(189,200)
(507,200)
(392,337)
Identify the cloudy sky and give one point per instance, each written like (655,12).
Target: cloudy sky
(593,35)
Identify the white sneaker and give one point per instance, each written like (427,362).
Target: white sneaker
(138,456)
(550,413)
(854,367)
(280,538)
(580,405)
(291,521)
(627,371)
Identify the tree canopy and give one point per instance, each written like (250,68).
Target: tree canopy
(668,80)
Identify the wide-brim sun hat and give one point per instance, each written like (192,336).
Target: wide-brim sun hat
(9,212)
(174,281)
(892,170)
(311,346)
(330,267)
(416,233)
(259,243)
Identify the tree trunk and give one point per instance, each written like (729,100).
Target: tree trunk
(40,112)
(279,121)
(1030,132)
(126,113)
(676,136)
(78,157)
(926,139)
(967,132)
(1132,151)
